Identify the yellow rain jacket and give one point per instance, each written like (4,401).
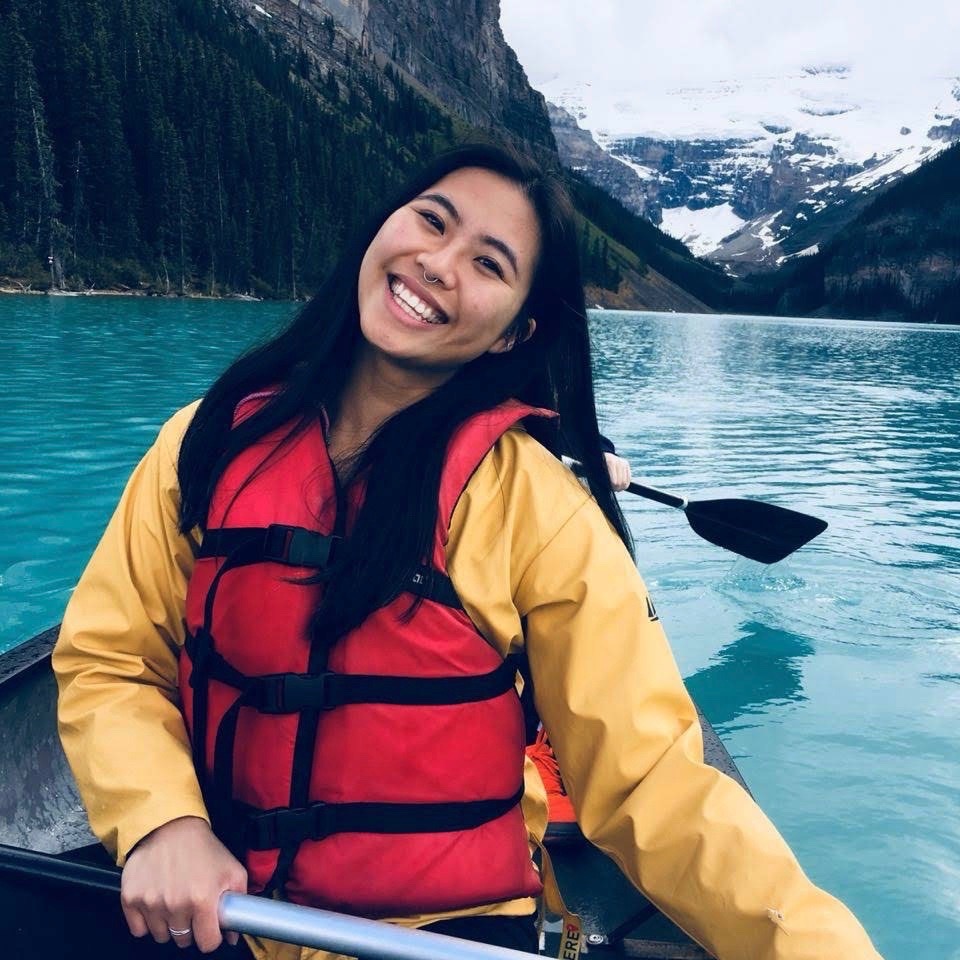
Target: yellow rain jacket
(526,541)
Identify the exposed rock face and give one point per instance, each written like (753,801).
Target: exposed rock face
(773,190)
(456,56)
(461,57)
(946,131)
(579,151)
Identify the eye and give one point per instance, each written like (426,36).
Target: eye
(490,264)
(432,219)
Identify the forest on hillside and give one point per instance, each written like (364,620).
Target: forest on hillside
(162,142)
(165,145)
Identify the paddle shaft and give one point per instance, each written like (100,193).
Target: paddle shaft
(275,920)
(660,496)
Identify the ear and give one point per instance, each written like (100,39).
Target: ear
(512,335)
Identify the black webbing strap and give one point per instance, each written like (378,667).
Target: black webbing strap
(433,585)
(206,663)
(202,650)
(293,692)
(299,547)
(270,829)
(278,543)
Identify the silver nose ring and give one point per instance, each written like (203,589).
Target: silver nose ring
(430,279)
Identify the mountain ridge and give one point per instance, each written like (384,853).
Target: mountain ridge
(742,170)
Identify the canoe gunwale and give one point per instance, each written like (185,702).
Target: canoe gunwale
(21,662)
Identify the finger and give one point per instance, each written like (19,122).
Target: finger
(180,932)
(206,926)
(180,927)
(158,926)
(237,882)
(135,920)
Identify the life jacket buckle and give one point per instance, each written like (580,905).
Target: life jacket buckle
(291,693)
(289,826)
(297,546)
(276,540)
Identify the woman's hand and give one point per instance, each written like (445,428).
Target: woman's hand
(172,882)
(619,471)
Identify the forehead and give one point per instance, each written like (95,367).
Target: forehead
(493,205)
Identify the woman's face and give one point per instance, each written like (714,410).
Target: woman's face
(477,234)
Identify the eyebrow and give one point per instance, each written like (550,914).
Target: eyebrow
(494,242)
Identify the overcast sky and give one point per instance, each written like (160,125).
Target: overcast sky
(628,44)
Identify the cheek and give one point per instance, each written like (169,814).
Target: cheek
(389,239)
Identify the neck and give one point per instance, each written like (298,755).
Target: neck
(374,392)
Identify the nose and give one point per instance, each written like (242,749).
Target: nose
(439,267)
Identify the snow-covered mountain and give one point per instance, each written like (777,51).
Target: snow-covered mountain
(751,172)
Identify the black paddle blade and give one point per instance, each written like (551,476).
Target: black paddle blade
(757,530)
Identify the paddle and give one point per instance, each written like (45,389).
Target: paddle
(752,528)
(275,920)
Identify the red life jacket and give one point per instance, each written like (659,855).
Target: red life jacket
(381,776)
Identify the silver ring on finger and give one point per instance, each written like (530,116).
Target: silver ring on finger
(186,931)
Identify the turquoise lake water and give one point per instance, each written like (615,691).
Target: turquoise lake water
(833,677)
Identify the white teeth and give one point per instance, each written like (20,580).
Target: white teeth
(412,304)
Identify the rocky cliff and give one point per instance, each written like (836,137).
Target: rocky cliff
(579,151)
(453,53)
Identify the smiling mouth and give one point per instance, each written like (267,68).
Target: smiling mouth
(410,303)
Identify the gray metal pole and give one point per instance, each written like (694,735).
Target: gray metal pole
(353,936)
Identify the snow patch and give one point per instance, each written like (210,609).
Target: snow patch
(764,231)
(900,163)
(644,173)
(806,252)
(701,230)
(260,10)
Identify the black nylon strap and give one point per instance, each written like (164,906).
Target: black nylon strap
(270,829)
(293,692)
(206,663)
(433,585)
(278,543)
(299,547)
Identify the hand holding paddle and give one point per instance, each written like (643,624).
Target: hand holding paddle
(173,880)
(275,920)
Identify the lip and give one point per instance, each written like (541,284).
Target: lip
(420,291)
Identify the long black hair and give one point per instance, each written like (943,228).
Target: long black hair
(310,362)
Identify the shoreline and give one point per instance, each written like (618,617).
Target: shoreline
(244,297)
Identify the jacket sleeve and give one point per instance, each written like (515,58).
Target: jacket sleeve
(629,745)
(116,661)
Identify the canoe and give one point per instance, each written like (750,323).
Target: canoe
(41,811)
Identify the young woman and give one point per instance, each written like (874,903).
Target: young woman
(298,624)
